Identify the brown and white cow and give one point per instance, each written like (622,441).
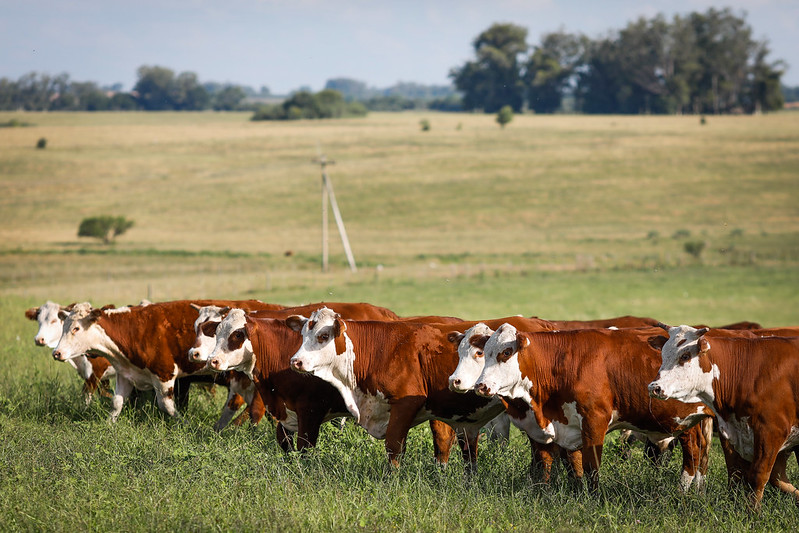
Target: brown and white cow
(626,321)
(95,371)
(391,375)
(750,384)
(581,384)
(262,348)
(147,345)
(209,318)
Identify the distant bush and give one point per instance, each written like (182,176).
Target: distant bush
(324,104)
(505,115)
(15,123)
(694,248)
(681,234)
(105,228)
(41,144)
(424,124)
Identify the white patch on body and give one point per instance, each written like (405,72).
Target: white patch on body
(569,435)
(739,433)
(530,426)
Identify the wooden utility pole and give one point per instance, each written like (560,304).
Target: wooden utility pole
(329,196)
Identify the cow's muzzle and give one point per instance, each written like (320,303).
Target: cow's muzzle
(656,391)
(482,389)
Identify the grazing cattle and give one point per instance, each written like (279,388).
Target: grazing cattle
(95,371)
(262,348)
(581,384)
(750,384)
(392,376)
(147,345)
(241,386)
(619,322)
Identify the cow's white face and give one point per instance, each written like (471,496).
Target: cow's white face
(50,324)
(205,328)
(233,349)
(471,360)
(502,374)
(80,332)
(686,373)
(323,341)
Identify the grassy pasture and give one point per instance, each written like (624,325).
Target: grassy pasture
(560,217)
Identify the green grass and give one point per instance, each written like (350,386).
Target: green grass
(560,217)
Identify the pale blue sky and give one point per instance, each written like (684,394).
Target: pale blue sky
(287,44)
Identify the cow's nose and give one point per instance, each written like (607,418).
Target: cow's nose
(482,389)
(454,384)
(215,364)
(655,390)
(57,355)
(296,364)
(39,341)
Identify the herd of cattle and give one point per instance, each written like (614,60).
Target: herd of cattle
(565,384)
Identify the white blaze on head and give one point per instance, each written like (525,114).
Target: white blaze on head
(50,324)
(205,328)
(233,349)
(322,340)
(685,373)
(502,374)
(471,361)
(79,333)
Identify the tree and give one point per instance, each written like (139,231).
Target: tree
(550,68)
(105,228)
(154,88)
(505,115)
(494,79)
(229,98)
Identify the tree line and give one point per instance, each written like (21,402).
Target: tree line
(697,63)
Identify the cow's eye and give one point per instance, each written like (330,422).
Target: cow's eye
(75,329)
(508,352)
(685,357)
(53,321)
(478,353)
(324,337)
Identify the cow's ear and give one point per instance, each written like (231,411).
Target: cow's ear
(32,313)
(339,326)
(479,341)
(704,346)
(657,342)
(95,314)
(455,337)
(63,314)
(522,341)
(71,306)
(296,322)
(224,311)
(700,332)
(107,307)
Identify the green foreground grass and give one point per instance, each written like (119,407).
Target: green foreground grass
(559,217)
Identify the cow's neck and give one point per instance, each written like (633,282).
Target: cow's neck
(341,374)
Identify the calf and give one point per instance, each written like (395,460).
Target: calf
(147,345)
(750,384)
(95,371)
(581,384)
(391,375)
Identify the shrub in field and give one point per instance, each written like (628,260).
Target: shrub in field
(694,248)
(505,115)
(105,228)
(41,144)
(424,124)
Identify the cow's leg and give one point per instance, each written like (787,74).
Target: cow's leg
(180,393)
(574,458)
(468,438)
(121,393)
(763,459)
(779,477)
(309,420)
(402,414)
(542,457)
(593,434)
(256,407)
(285,438)
(443,439)
(232,405)
(691,442)
(736,465)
